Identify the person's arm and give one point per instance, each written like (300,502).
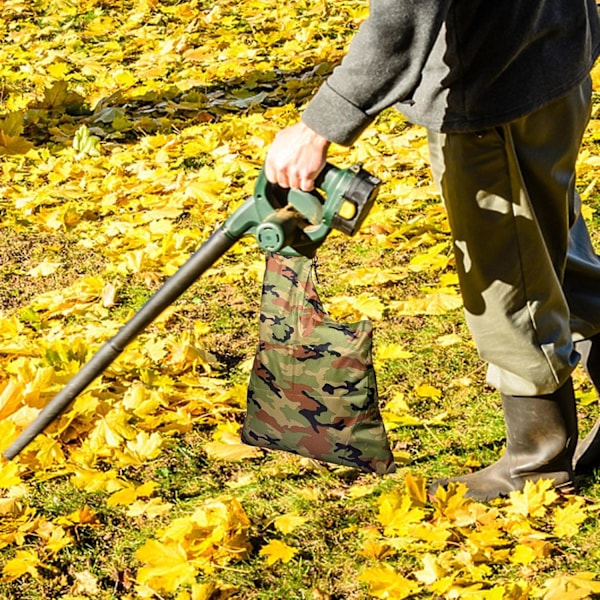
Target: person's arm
(383,66)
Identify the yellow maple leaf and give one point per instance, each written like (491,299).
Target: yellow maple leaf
(312,494)
(25,561)
(432,570)
(211,590)
(58,70)
(288,522)
(13,144)
(9,474)
(397,513)
(533,500)
(448,279)
(448,340)
(13,123)
(525,554)
(397,403)
(146,489)
(143,401)
(375,549)
(441,301)
(450,501)
(359,307)
(433,535)
(155,349)
(110,431)
(101,25)
(205,190)
(435,303)
(416,489)
(151,509)
(277,550)
(572,587)
(83,516)
(569,517)
(428,391)
(11,397)
(433,259)
(57,539)
(488,536)
(226,444)
(45,268)
(372,276)
(199,591)
(233,452)
(92,480)
(359,490)
(124,77)
(145,446)
(392,352)
(385,582)
(215,533)
(166,566)
(129,493)
(86,584)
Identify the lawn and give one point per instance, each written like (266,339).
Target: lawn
(129,131)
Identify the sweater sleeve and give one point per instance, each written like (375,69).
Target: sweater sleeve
(382,67)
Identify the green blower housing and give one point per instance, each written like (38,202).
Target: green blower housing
(292,222)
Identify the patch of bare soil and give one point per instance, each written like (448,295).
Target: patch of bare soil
(22,251)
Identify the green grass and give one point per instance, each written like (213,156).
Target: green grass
(340,504)
(328,561)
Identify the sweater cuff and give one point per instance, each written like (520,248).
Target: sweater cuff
(334,117)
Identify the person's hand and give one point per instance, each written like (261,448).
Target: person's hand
(296,157)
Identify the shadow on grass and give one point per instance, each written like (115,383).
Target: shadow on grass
(123,117)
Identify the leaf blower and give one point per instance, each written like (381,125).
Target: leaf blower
(289,222)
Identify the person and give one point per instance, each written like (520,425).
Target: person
(504,92)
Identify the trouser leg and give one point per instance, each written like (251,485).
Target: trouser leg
(587,453)
(582,281)
(582,288)
(511,201)
(527,277)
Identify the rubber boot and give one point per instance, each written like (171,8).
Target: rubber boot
(540,442)
(587,453)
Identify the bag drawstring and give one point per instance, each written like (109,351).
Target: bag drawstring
(315,266)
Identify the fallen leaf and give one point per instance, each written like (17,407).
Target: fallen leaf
(384,582)
(277,550)
(288,522)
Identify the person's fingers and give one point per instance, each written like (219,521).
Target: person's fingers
(286,176)
(275,168)
(296,157)
(270,171)
(281,179)
(306,183)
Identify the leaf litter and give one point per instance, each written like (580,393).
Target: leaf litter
(127,133)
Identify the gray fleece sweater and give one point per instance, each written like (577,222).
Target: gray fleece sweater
(457,65)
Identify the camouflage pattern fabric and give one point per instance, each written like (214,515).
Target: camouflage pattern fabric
(312,390)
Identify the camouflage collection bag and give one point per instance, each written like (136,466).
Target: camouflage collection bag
(312,390)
